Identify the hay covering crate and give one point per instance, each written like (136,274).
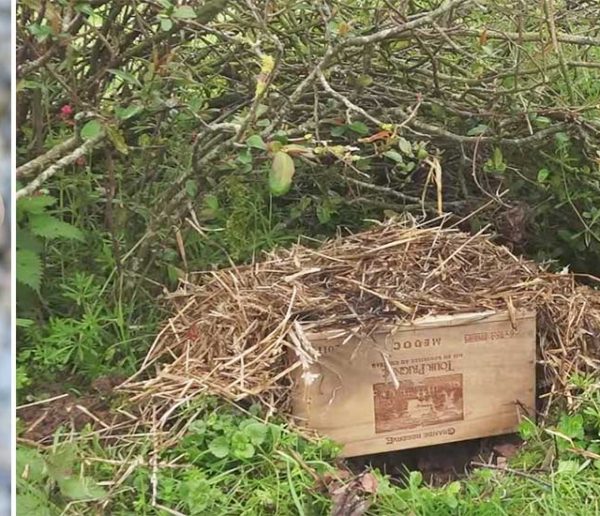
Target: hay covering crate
(439,380)
(232,330)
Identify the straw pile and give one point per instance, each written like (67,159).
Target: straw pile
(232,329)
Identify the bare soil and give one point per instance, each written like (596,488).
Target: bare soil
(71,412)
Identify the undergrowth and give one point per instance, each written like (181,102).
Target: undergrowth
(101,241)
(232,462)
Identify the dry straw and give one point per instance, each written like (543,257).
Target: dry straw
(231,330)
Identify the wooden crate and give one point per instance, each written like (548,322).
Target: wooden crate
(439,380)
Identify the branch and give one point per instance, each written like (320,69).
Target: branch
(29,168)
(382,35)
(30,66)
(529,36)
(347,102)
(69,159)
(549,10)
(361,41)
(397,194)
(534,139)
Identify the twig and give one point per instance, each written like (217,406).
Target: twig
(42,402)
(347,102)
(332,52)
(67,160)
(383,35)
(538,138)
(549,11)
(29,168)
(492,33)
(523,474)
(111,187)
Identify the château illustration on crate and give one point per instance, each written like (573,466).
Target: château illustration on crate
(437,380)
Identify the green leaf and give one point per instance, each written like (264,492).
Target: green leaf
(543,174)
(542,121)
(275,434)
(451,501)
(49,227)
(91,129)
(256,432)
(128,112)
(61,462)
(359,127)
(35,203)
(497,158)
(30,465)
(211,202)
(453,488)
(245,157)
(256,142)
(477,130)
(35,502)
(324,213)
(219,447)
(568,467)
(174,273)
(394,156)
(527,429)
(338,130)
(571,425)
(41,32)
(184,12)
(198,427)
(191,188)
(29,268)
(282,172)
(126,77)
(166,24)
(422,153)
(81,488)
(116,137)
(415,479)
(84,8)
(405,147)
(25,240)
(241,446)
(245,451)
(24,323)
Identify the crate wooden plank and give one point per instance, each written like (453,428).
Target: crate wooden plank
(439,380)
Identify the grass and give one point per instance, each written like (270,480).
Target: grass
(230,462)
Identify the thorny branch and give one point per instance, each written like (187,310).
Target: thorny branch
(435,76)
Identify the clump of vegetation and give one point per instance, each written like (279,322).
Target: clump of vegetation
(159,138)
(232,462)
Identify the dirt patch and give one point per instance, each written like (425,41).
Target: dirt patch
(40,420)
(442,463)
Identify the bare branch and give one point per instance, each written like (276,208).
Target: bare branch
(67,160)
(31,167)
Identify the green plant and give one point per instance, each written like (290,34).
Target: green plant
(228,462)
(91,338)
(39,475)
(38,224)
